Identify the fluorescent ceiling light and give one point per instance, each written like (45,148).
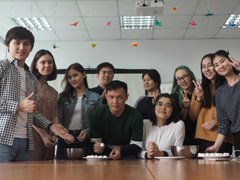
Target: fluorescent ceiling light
(35,23)
(232,22)
(137,22)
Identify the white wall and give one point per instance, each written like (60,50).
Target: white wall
(163,55)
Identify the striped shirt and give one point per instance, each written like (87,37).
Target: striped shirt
(10,84)
(228,108)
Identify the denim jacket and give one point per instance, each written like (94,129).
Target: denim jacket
(66,107)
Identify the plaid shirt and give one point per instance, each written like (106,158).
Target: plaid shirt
(10,84)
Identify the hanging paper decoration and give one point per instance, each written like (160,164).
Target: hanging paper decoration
(193,23)
(174,9)
(55,46)
(158,23)
(134,44)
(75,23)
(109,23)
(93,45)
(208,12)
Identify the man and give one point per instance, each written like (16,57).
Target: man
(105,74)
(18,100)
(118,125)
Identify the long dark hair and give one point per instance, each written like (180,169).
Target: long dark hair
(175,116)
(68,89)
(35,71)
(209,96)
(155,76)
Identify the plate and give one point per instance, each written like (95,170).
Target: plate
(220,158)
(170,157)
(96,158)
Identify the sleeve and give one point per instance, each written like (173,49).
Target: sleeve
(95,125)
(223,122)
(144,146)
(179,133)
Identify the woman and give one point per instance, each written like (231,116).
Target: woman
(165,130)
(203,107)
(183,87)
(151,82)
(44,68)
(74,106)
(227,100)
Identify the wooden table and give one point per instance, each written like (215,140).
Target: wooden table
(122,169)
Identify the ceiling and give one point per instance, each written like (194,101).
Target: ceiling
(92,16)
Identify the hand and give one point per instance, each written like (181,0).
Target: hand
(48,140)
(62,132)
(186,100)
(103,95)
(82,136)
(209,125)
(152,150)
(212,148)
(28,105)
(115,153)
(235,63)
(98,147)
(198,90)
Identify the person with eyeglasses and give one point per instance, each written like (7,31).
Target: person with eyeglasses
(183,87)
(164,130)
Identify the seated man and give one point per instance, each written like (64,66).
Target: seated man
(105,74)
(119,126)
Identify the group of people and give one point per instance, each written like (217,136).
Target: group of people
(34,117)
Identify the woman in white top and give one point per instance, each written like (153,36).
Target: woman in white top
(165,130)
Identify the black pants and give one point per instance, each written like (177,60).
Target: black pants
(237,143)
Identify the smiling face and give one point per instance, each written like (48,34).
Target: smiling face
(183,79)
(76,78)
(149,84)
(20,49)
(45,65)
(222,65)
(208,68)
(163,109)
(105,76)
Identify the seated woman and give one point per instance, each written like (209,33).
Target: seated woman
(165,130)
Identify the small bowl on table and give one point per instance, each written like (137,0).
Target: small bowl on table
(189,151)
(75,153)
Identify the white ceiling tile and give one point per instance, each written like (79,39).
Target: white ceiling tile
(127,7)
(174,21)
(65,23)
(138,34)
(98,8)
(216,21)
(104,34)
(168,33)
(229,33)
(101,22)
(74,35)
(197,33)
(59,8)
(45,36)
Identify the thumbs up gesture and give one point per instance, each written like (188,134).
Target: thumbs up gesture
(28,105)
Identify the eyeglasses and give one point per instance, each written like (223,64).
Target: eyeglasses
(184,77)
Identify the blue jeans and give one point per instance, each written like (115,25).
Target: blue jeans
(19,151)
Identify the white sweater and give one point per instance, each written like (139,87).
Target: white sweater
(164,136)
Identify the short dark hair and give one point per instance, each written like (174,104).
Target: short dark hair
(113,85)
(21,33)
(35,71)
(103,65)
(175,116)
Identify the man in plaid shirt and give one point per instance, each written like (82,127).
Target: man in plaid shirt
(18,100)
